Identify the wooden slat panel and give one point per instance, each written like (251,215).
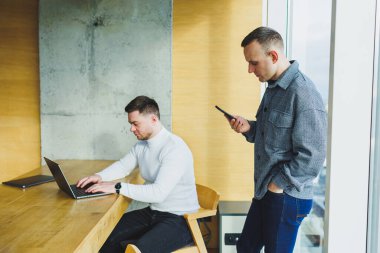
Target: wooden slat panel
(19,88)
(209,69)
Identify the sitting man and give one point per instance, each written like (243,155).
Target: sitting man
(166,164)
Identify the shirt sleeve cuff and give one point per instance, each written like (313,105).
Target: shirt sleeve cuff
(250,135)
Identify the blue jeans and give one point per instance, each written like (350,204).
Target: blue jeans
(272,222)
(150,230)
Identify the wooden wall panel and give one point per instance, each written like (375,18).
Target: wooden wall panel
(19,88)
(209,69)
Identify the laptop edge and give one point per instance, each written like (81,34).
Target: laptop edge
(62,182)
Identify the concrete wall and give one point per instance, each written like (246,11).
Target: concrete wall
(95,56)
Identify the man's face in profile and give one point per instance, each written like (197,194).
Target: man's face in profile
(259,61)
(142,124)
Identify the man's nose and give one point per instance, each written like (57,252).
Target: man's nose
(132,128)
(251,68)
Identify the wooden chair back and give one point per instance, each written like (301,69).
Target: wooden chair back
(208,200)
(207,197)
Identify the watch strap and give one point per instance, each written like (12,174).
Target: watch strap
(118,187)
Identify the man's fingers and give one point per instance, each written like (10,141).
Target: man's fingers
(80,182)
(84,181)
(101,187)
(93,188)
(239,124)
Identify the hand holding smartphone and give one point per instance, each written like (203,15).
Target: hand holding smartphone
(229,116)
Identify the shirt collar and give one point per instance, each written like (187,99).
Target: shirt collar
(286,77)
(157,139)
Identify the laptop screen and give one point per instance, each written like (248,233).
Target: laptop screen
(59,177)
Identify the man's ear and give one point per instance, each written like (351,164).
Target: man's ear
(154,117)
(274,55)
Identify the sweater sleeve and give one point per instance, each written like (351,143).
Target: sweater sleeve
(121,168)
(173,166)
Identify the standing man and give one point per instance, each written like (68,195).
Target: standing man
(290,145)
(166,164)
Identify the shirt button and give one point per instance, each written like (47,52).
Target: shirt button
(265,109)
(258,157)
(262,133)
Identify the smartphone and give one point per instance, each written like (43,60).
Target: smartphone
(229,116)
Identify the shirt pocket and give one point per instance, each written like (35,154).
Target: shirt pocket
(279,129)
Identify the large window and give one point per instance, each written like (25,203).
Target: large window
(346,218)
(306,27)
(310,45)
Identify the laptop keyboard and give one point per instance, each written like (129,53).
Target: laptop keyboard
(81,191)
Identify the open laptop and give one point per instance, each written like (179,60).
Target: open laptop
(71,190)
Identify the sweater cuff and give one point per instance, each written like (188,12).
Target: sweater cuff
(125,190)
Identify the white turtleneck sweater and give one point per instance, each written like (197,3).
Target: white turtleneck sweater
(166,164)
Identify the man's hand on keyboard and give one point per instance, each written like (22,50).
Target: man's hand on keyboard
(108,187)
(94,179)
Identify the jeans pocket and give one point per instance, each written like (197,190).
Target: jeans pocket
(295,210)
(300,218)
(303,209)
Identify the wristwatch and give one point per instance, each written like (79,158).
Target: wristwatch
(118,187)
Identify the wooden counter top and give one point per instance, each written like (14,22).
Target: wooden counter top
(44,219)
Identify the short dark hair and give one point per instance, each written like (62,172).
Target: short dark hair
(144,105)
(265,36)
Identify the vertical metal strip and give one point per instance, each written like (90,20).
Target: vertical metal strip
(265,15)
(330,115)
(265,12)
(374,177)
(289,29)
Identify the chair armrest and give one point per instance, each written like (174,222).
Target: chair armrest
(200,214)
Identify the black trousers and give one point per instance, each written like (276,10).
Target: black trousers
(151,231)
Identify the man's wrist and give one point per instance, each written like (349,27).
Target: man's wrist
(245,132)
(99,177)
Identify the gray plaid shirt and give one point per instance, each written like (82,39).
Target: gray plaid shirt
(289,135)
